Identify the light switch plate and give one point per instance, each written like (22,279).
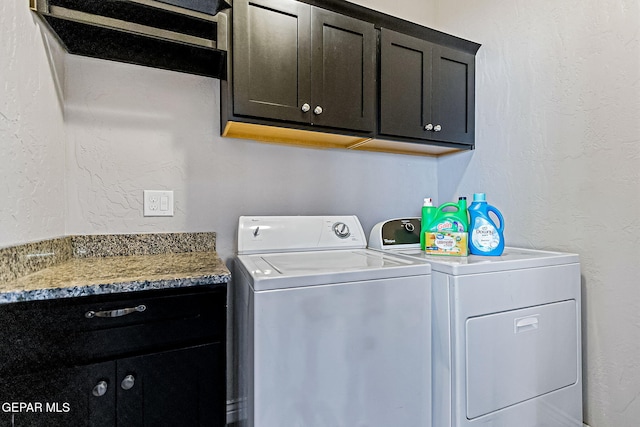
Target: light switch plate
(158,203)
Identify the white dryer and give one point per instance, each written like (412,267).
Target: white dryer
(506,347)
(329,333)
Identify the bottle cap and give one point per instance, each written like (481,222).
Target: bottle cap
(428,201)
(479,197)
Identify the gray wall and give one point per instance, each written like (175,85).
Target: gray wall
(32,137)
(131,129)
(558,137)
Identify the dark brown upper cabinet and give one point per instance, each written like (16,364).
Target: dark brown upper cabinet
(298,63)
(426,91)
(333,74)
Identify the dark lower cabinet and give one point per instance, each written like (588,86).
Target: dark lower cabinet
(177,388)
(59,398)
(426,90)
(163,366)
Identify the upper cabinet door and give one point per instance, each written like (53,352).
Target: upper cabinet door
(271,59)
(343,71)
(453,95)
(426,90)
(405,85)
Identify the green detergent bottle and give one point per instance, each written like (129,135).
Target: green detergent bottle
(452,221)
(447,232)
(428,215)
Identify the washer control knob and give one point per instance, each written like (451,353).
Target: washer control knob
(409,227)
(341,229)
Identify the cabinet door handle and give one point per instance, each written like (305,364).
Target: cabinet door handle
(305,108)
(128,382)
(115,313)
(428,127)
(317,110)
(437,128)
(100,389)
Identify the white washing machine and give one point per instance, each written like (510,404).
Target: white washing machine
(329,333)
(506,347)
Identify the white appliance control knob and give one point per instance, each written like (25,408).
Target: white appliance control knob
(341,229)
(409,227)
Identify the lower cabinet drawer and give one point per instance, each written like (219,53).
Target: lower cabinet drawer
(40,334)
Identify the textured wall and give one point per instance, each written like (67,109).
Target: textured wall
(132,128)
(558,150)
(32,195)
(421,12)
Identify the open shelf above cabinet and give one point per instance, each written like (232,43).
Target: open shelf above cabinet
(182,35)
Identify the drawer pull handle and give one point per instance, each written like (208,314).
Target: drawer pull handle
(100,389)
(115,313)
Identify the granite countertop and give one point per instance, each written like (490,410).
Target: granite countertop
(90,265)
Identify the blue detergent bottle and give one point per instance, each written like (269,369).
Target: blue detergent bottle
(485,236)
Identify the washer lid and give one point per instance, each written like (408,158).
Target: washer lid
(301,269)
(511,259)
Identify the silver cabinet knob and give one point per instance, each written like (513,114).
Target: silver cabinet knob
(437,128)
(306,107)
(100,389)
(428,127)
(317,110)
(128,382)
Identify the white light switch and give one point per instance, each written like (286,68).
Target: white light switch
(158,203)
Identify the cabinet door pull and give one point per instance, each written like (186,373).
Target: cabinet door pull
(318,110)
(100,389)
(306,107)
(128,382)
(115,313)
(428,127)
(437,128)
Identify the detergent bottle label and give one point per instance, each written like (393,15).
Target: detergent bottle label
(484,235)
(449,225)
